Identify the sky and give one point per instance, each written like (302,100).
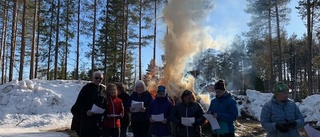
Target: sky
(32,108)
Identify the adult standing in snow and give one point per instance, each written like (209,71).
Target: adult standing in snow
(139,122)
(160,105)
(224,108)
(125,120)
(90,94)
(281,117)
(187,109)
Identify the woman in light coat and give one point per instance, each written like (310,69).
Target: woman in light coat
(281,117)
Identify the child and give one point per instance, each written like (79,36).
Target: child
(115,110)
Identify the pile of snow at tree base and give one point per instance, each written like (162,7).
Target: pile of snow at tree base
(44,105)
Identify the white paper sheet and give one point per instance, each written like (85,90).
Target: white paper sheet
(137,105)
(97,110)
(158,118)
(311,131)
(213,121)
(187,121)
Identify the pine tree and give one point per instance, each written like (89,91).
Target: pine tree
(3,46)
(13,38)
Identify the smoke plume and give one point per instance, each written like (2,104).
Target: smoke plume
(184,38)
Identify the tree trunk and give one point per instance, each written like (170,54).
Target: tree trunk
(105,49)
(4,43)
(31,76)
(123,54)
(94,35)
(23,41)
(309,43)
(271,82)
(155,31)
(56,49)
(305,77)
(67,43)
(279,43)
(78,42)
(13,38)
(140,39)
(50,40)
(38,39)
(126,35)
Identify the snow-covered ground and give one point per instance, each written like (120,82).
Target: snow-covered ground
(32,108)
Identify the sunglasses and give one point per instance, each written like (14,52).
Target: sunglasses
(98,78)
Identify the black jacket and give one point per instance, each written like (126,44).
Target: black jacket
(125,120)
(75,123)
(90,94)
(193,109)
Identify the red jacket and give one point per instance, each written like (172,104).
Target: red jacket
(114,107)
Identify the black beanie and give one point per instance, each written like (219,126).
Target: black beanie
(220,85)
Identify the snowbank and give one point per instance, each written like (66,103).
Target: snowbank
(309,107)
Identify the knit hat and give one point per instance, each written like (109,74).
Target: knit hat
(220,85)
(280,87)
(161,89)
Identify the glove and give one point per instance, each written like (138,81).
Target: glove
(282,127)
(195,124)
(291,124)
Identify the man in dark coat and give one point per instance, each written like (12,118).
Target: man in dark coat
(90,94)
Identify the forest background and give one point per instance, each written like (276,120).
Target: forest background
(69,39)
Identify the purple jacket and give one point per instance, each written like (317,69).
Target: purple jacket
(157,106)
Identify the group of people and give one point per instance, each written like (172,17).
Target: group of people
(160,117)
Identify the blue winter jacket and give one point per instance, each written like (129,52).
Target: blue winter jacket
(274,111)
(227,112)
(157,106)
(146,98)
